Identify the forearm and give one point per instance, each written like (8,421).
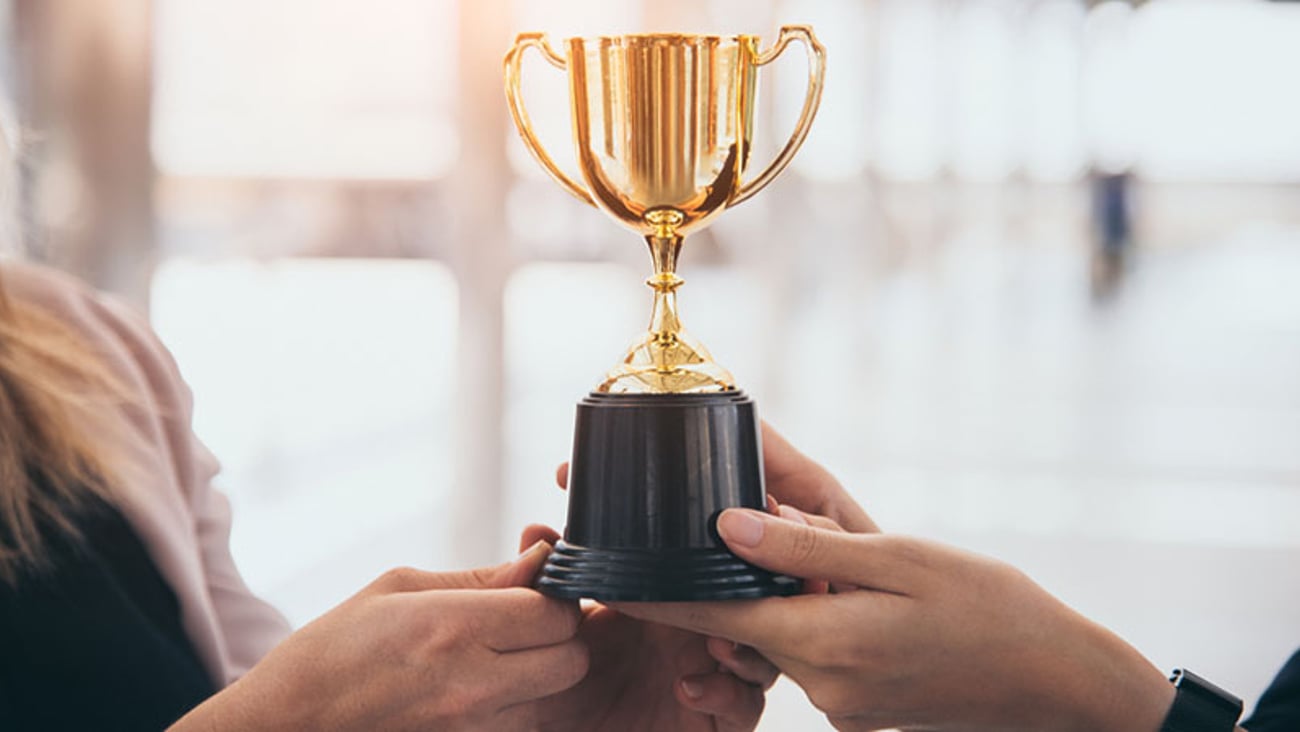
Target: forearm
(244,705)
(1117,688)
(1140,695)
(1068,673)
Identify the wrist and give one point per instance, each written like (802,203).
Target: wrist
(1200,706)
(1103,683)
(247,704)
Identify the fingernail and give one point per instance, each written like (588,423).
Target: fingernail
(740,527)
(533,548)
(692,689)
(793,514)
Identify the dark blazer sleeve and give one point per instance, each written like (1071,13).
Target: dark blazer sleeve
(1279,708)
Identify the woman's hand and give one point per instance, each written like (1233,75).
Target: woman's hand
(646,677)
(415,650)
(923,636)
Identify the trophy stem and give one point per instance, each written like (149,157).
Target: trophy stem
(666,359)
(664,248)
(664,323)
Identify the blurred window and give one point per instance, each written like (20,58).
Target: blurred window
(304,88)
(1217,89)
(325,388)
(1049,69)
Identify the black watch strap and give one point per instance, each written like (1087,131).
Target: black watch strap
(1200,706)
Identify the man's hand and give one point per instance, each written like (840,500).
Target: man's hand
(646,677)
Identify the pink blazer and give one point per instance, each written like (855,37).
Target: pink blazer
(169,500)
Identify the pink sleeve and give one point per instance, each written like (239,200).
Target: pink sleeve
(251,627)
(248,627)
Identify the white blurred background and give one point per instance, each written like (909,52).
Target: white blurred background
(1032,286)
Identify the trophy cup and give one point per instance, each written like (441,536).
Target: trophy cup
(662,125)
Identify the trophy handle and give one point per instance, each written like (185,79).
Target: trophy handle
(516,99)
(816,75)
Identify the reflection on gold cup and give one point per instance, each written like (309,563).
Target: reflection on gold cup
(662,124)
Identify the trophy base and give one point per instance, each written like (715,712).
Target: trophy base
(650,473)
(644,575)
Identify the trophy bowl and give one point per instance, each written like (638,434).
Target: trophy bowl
(662,128)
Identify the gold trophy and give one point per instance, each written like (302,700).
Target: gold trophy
(662,125)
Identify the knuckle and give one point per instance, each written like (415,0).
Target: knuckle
(912,553)
(828,524)
(457,704)
(397,579)
(805,545)
(830,652)
(578,661)
(447,638)
(571,620)
(558,619)
(514,604)
(997,579)
(1008,574)
(563,616)
(483,576)
(520,718)
(834,700)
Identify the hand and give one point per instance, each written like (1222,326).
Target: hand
(931,638)
(654,678)
(415,650)
(796,480)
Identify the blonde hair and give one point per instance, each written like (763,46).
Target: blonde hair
(50,467)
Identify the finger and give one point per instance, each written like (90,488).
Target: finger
(516,619)
(746,663)
(562,476)
(524,676)
(780,624)
(794,478)
(866,560)
(520,717)
(790,513)
(788,631)
(735,704)
(517,573)
(534,533)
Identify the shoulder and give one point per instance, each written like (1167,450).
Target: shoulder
(158,403)
(48,289)
(111,328)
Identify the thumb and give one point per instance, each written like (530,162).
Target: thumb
(534,533)
(810,552)
(517,573)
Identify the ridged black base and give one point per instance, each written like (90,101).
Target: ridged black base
(642,575)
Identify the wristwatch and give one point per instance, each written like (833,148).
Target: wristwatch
(1200,706)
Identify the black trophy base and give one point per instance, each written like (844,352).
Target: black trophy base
(650,473)
(642,575)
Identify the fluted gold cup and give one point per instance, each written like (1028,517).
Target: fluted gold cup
(662,129)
